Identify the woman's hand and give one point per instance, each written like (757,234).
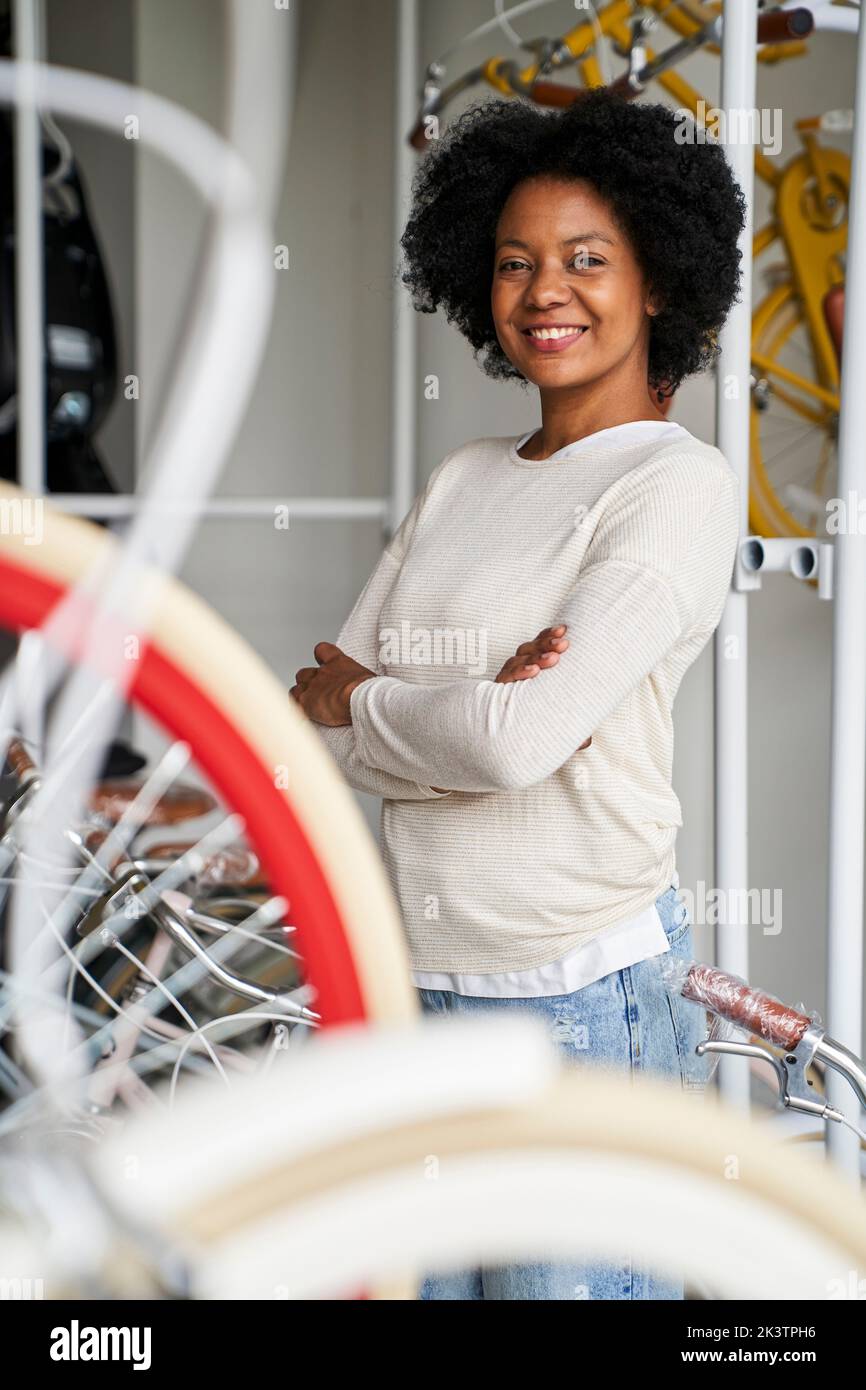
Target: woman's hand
(531,659)
(323,691)
(543,651)
(536,656)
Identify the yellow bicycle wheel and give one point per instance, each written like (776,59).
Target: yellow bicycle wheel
(793,430)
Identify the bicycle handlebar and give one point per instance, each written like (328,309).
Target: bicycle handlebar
(770,1019)
(779,26)
(174,926)
(745,1006)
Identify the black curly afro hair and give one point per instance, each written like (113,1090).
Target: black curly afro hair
(678,203)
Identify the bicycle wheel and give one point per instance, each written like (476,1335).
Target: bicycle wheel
(202,684)
(795,363)
(533,1159)
(793,433)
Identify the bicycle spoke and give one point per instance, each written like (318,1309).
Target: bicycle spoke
(214,1022)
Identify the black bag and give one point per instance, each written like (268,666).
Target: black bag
(80,348)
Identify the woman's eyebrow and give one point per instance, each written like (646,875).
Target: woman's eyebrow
(567,241)
(589,236)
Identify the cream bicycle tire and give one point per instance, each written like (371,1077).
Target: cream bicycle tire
(204,684)
(323,1192)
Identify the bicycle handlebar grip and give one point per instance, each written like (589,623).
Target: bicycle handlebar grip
(418,137)
(557,94)
(780,25)
(749,1008)
(834,316)
(20,760)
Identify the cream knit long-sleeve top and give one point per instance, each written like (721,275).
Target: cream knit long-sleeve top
(537,848)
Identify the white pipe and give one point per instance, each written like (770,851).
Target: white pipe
(739,64)
(804,559)
(262,55)
(29,290)
(781,553)
(104,505)
(848,698)
(404,364)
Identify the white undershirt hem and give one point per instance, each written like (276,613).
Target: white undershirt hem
(625,944)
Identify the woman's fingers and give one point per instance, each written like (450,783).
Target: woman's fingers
(536,656)
(547,641)
(326,651)
(541,654)
(552,634)
(551,641)
(516,668)
(549,636)
(512,669)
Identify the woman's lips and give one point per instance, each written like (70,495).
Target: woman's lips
(555,344)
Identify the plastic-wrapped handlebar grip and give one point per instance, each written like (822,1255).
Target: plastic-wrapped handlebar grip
(749,1008)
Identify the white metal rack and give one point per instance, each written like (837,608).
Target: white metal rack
(841,570)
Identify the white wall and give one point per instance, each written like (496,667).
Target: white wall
(319,420)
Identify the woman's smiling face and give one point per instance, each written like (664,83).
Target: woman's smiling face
(569,299)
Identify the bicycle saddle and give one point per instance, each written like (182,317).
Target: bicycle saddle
(179,803)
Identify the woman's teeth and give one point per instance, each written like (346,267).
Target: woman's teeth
(556,332)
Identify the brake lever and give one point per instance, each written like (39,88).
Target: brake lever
(794,1070)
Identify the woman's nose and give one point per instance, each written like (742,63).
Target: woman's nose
(548,287)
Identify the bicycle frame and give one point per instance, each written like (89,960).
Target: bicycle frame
(613,21)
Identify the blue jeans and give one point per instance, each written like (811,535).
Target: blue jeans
(628,1021)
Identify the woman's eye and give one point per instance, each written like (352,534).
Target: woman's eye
(583,262)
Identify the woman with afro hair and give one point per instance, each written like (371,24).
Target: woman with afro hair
(505,681)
